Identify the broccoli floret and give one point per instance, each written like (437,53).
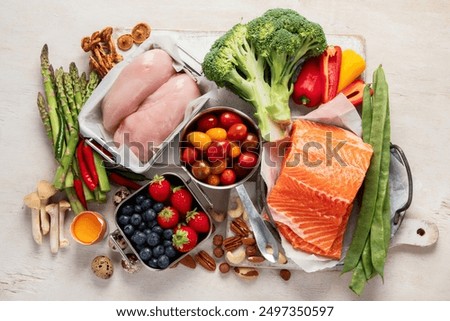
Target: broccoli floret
(257,61)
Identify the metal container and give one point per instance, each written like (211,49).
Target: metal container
(123,244)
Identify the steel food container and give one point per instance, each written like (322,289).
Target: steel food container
(123,243)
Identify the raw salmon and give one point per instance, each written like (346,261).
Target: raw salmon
(321,174)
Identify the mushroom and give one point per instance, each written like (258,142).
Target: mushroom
(33,202)
(53,211)
(45,190)
(63,207)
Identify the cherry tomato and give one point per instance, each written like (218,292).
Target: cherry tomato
(228,177)
(189,155)
(206,122)
(234,150)
(201,170)
(217,133)
(237,132)
(213,179)
(250,142)
(228,118)
(218,166)
(199,140)
(217,150)
(248,160)
(240,171)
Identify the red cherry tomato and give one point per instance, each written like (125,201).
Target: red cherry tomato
(228,177)
(189,155)
(250,142)
(228,118)
(240,171)
(206,122)
(248,160)
(201,170)
(217,150)
(237,132)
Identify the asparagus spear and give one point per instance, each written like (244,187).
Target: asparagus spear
(50,93)
(62,98)
(92,83)
(83,84)
(68,87)
(44,115)
(73,71)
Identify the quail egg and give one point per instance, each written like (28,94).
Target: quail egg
(102,267)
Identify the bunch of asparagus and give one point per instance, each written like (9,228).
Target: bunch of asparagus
(65,94)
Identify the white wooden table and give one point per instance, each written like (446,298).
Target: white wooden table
(409,40)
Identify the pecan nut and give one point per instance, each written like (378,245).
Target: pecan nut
(205,260)
(239,227)
(231,243)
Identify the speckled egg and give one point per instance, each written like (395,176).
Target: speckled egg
(102,267)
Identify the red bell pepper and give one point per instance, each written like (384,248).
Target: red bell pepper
(308,87)
(354,92)
(330,67)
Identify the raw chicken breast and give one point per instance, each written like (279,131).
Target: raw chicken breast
(157,116)
(145,74)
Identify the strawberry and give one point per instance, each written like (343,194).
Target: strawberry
(168,217)
(184,238)
(198,221)
(159,189)
(181,199)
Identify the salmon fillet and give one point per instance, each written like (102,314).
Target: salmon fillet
(321,174)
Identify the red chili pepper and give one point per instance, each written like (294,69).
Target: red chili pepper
(354,92)
(123,181)
(330,66)
(309,86)
(88,155)
(78,185)
(84,172)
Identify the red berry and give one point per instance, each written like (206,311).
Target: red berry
(168,217)
(159,189)
(184,238)
(181,199)
(198,221)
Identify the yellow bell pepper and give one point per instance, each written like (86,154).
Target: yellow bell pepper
(352,66)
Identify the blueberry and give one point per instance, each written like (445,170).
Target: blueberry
(146,204)
(157,229)
(158,250)
(147,231)
(138,208)
(149,215)
(167,234)
(167,243)
(127,210)
(153,262)
(143,226)
(158,207)
(145,254)
(139,199)
(153,239)
(163,261)
(136,219)
(128,229)
(139,238)
(170,251)
(139,247)
(152,224)
(123,220)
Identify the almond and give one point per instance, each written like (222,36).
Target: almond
(188,261)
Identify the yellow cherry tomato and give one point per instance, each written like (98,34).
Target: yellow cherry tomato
(199,140)
(213,179)
(234,150)
(217,133)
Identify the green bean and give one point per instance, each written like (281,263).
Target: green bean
(367,113)
(358,282)
(366,260)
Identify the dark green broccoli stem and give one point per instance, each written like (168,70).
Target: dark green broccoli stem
(52,104)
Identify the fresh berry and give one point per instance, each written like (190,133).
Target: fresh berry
(158,250)
(139,199)
(153,239)
(167,243)
(163,261)
(139,238)
(159,189)
(170,251)
(127,210)
(142,226)
(198,221)
(123,220)
(168,217)
(146,204)
(136,219)
(145,254)
(147,231)
(181,199)
(149,215)
(153,262)
(167,234)
(128,230)
(157,207)
(184,238)
(137,208)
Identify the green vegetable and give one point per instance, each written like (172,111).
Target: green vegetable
(369,246)
(257,61)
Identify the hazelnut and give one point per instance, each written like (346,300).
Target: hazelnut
(218,252)
(251,250)
(224,267)
(285,274)
(218,240)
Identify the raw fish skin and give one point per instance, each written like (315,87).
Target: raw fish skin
(143,76)
(314,193)
(157,117)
